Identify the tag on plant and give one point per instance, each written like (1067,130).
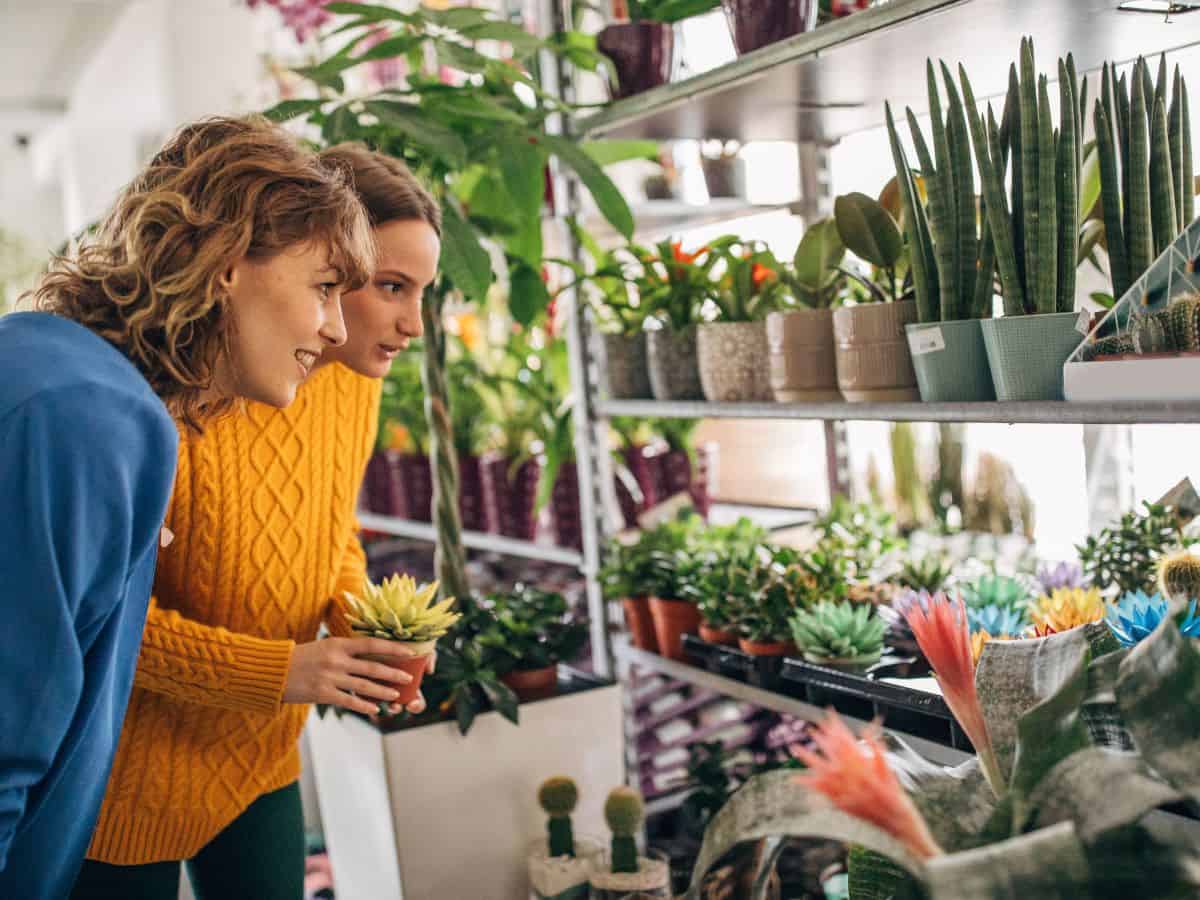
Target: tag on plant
(926,340)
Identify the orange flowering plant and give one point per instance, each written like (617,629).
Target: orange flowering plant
(752,284)
(676,283)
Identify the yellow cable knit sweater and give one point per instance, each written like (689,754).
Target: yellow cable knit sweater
(265,539)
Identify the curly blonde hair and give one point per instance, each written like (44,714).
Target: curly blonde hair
(221,190)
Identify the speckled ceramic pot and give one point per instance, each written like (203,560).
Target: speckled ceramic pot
(733,362)
(674,365)
(625,366)
(873,359)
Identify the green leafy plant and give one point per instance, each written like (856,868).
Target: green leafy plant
(402,402)
(531,630)
(1004,591)
(815,277)
(864,534)
(771,589)
(929,573)
(470,414)
(1123,558)
(751,284)
(847,632)
(668,11)
(675,283)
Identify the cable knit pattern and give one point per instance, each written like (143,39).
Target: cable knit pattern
(265,542)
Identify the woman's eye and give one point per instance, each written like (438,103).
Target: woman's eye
(326,288)
(395,287)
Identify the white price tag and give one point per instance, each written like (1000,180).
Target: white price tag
(1083,323)
(926,340)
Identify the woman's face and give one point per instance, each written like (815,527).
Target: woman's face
(286,312)
(385,313)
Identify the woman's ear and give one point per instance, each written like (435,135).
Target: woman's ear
(230,277)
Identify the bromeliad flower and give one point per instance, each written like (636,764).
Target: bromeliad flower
(1068,608)
(1135,617)
(857,780)
(940,626)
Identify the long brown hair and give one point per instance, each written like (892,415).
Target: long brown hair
(387,187)
(221,190)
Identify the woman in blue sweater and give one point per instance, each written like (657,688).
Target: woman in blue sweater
(223,281)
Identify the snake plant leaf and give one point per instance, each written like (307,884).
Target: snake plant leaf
(1158,691)
(1050,864)
(875,877)
(1168,865)
(868,230)
(773,805)
(956,802)
(924,264)
(1162,190)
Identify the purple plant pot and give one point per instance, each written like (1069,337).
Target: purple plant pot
(641,53)
(704,477)
(642,468)
(510,499)
(756,23)
(381,487)
(471,506)
(564,507)
(626,502)
(416,486)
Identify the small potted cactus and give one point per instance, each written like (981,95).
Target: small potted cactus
(839,635)
(397,610)
(1179,576)
(627,872)
(560,866)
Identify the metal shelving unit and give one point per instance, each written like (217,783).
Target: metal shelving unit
(473,540)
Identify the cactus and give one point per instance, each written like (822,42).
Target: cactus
(1179,576)
(839,631)
(623,810)
(1152,334)
(558,797)
(1183,323)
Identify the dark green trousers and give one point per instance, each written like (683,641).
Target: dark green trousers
(260,856)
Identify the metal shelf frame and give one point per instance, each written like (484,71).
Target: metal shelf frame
(473,540)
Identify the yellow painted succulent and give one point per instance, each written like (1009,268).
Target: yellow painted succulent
(979,638)
(1067,608)
(397,610)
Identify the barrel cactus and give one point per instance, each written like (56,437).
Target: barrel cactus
(1179,576)
(558,797)
(623,810)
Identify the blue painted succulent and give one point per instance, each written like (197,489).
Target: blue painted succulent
(997,620)
(1136,615)
(997,590)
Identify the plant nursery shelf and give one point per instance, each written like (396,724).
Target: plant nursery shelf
(731,687)
(1045,413)
(833,81)
(474,540)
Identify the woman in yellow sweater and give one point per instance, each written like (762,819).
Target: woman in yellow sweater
(265,541)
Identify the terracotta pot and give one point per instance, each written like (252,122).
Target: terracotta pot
(532,684)
(641,52)
(672,620)
(564,507)
(674,364)
(510,496)
(640,623)
(803,365)
(471,506)
(414,665)
(416,485)
(733,362)
(625,366)
(718,635)
(757,23)
(766,648)
(381,486)
(873,359)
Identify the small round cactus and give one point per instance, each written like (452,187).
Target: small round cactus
(623,811)
(558,797)
(1179,574)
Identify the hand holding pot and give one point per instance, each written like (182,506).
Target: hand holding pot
(332,671)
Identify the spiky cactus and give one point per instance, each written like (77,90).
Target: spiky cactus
(623,810)
(839,631)
(1179,576)
(558,797)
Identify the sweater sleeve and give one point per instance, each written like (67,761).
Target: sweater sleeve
(86,472)
(212,666)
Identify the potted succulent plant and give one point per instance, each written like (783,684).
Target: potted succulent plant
(873,359)
(733,349)
(620,318)
(756,23)
(953,266)
(723,584)
(397,610)
(1004,591)
(560,865)
(1124,557)
(1134,617)
(529,636)
(642,49)
(839,635)
(800,341)
(628,873)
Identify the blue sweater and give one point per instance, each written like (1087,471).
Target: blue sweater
(87,461)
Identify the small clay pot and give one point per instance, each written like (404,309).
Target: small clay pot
(640,623)
(672,620)
(766,648)
(414,665)
(718,635)
(532,684)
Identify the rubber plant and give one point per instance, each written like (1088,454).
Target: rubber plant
(1055,805)
(482,144)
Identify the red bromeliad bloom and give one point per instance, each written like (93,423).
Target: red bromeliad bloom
(940,627)
(857,780)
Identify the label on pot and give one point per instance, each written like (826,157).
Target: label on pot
(1083,323)
(926,340)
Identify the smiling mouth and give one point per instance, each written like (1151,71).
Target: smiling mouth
(390,350)
(307,359)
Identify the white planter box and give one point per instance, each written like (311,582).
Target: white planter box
(426,814)
(1133,380)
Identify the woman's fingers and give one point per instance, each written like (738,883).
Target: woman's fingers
(377,671)
(417,706)
(352,703)
(376,647)
(364,687)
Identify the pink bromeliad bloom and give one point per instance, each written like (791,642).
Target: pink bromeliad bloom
(857,780)
(940,627)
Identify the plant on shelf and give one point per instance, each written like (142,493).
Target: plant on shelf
(530,635)
(871,233)
(865,535)
(776,588)
(839,634)
(725,583)
(1123,558)
(815,278)
(1134,617)
(1067,608)
(1004,591)
(1062,575)
(626,870)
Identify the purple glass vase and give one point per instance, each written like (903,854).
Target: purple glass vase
(641,53)
(756,23)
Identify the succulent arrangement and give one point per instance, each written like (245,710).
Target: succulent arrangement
(929,573)
(1067,608)
(558,796)
(839,632)
(1123,558)
(1061,575)
(997,621)
(1134,617)
(1179,576)
(397,610)
(997,590)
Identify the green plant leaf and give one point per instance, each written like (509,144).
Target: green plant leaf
(672,11)
(612,205)
(390,48)
(528,297)
(341,125)
(503,699)
(422,128)
(1049,864)
(367,11)
(466,708)
(523,43)
(286,110)
(457,56)
(463,257)
(820,253)
(605,153)
(868,230)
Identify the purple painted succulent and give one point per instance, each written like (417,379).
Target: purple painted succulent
(1063,575)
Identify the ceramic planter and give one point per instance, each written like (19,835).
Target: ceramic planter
(641,52)
(510,495)
(803,365)
(672,620)
(640,622)
(951,362)
(652,879)
(873,360)
(1027,353)
(532,684)
(564,507)
(471,507)
(674,364)
(733,362)
(757,23)
(562,877)
(625,366)
(766,648)
(715,635)
(724,176)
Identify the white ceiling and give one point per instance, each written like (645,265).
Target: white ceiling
(44,45)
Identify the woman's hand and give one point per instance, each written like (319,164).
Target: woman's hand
(330,671)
